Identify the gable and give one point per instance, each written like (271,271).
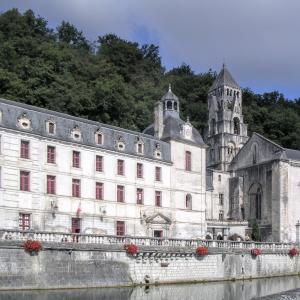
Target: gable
(257,150)
(158,218)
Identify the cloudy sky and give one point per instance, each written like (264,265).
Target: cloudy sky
(258,39)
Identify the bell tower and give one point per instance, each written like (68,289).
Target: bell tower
(226,131)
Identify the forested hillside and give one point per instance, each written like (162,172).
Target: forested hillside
(117,81)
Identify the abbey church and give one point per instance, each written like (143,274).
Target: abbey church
(60,173)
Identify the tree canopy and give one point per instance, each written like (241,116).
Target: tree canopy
(116,81)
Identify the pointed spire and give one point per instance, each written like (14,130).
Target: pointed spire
(170,88)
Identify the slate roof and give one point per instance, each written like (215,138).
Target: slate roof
(224,78)
(292,154)
(12,110)
(169,95)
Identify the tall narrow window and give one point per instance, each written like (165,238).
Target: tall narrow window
(140,148)
(188,201)
(25,149)
(157,198)
(51,184)
(120,228)
(99,163)
(24,181)
(139,196)
(76,159)
(221,199)
(120,193)
(236,125)
(139,170)
(50,155)
(221,215)
(24,221)
(157,173)
(76,188)
(99,190)
(120,167)
(188,161)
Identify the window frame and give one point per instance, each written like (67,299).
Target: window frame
(140,196)
(99,190)
(158,199)
(51,156)
(120,193)
(51,185)
(120,228)
(24,186)
(120,167)
(76,188)
(139,170)
(99,163)
(25,149)
(76,159)
(188,161)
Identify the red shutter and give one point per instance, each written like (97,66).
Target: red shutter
(99,190)
(51,184)
(25,149)
(24,181)
(75,187)
(139,170)
(120,167)
(99,163)
(188,161)
(120,228)
(158,173)
(157,198)
(76,159)
(51,155)
(120,193)
(139,196)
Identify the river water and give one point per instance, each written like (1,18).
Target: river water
(238,290)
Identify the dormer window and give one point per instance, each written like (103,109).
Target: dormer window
(51,127)
(120,143)
(24,122)
(76,134)
(99,137)
(139,146)
(157,152)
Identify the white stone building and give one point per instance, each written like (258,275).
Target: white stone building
(62,173)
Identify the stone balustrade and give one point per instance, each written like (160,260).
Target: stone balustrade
(60,237)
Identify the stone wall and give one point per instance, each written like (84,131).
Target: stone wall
(73,266)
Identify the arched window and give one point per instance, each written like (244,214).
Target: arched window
(236,125)
(188,201)
(169,105)
(227,92)
(230,92)
(254,154)
(175,105)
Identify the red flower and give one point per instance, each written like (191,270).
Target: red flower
(255,252)
(201,250)
(32,246)
(293,252)
(131,248)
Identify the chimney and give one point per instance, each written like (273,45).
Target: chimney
(158,119)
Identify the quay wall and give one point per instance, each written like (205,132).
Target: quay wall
(71,265)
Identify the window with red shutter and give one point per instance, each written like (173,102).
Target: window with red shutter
(139,196)
(24,181)
(24,221)
(76,188)
(76,159)
(99,190)
(51,184)
(157,173)
(99,163)
(120,193)
(120,228)
(157,198)
(51,155)
(25,149)
(188,161)
(139,170)
(120,167)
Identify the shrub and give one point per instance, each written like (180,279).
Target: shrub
(32,246)
(131,248)
(201,250)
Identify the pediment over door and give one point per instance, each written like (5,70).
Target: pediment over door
(158,218)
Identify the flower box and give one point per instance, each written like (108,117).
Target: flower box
(256,252)
(293,252)
(131,248)
(32,246)
(202,251)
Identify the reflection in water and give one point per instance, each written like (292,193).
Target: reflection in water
(239,290)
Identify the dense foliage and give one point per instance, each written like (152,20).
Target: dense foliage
(116,81)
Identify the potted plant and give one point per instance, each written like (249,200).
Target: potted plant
(256,252)
(293,252)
